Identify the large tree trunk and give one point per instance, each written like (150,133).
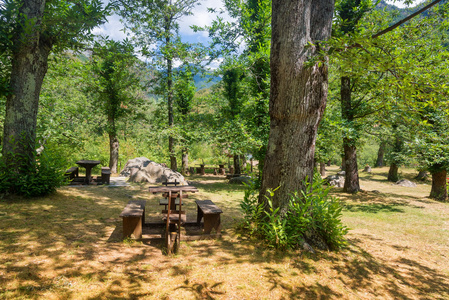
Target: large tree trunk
(352,184)
(380,155)
(113,152)
(237,169)
(29,66)
(393,173)
(185,161)
(298,95)
(439,191)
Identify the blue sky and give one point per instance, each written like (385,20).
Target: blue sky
(200,17)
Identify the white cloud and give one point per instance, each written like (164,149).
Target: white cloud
(112,28)
(201,17)
(400,3)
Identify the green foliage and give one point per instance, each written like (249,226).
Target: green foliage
(308,212)
(40,178)
(116,83)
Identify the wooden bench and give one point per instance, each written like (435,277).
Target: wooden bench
(211,214)
(133,218)
(72,172)
(105,175)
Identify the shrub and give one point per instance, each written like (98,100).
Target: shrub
(313,212)
(41,178)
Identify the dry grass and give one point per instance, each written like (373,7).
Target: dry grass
(66,247)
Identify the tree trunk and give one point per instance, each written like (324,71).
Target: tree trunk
(298,95)
(422,175)
(439,190)
(171,140)
(322,169)
(380,155)
(29,66)
(237,169)
(343,163)
(185,161)
(113,152)
(243,162)
(352,184)
(393,173)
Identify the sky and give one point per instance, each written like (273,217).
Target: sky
(201,17)
(401,3)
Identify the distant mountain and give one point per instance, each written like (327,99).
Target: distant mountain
(204,82)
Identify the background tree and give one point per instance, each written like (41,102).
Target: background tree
(432,150)
(113,64)
(155,25)
(250,29)
(35,29)
(184,93)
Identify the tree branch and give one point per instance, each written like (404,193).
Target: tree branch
(405,19)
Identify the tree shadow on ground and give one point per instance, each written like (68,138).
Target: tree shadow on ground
(73,239)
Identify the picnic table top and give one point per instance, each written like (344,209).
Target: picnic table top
(163,189)
(88,162)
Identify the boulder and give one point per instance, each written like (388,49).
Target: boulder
(335,180)
(406,183)
(141,169)
(341,173)
(367,169)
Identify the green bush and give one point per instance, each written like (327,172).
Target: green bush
(307,212)
(40,179)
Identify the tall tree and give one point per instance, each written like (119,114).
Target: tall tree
(155,25)
(232,76)
(114,63)
(37,27)
(184,93)
(298,94)
(349,13)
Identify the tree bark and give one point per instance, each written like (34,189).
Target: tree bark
(243,162)
(185,161)
(380,155)
(422,175)
(439,190)
(237,169)
(352,184)
(113,152)
(298,95)
(169,61)
(322,168)
(29,66)
(393,173)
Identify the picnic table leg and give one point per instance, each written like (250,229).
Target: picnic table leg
(167,227)
(88,175)
(199,215)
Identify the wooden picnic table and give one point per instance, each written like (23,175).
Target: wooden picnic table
(88,165)
(176,215)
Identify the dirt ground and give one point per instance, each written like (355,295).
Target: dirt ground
(69,246)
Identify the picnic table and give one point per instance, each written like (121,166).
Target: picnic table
(173,218)
(88,165)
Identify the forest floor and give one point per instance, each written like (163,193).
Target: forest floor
(68,246)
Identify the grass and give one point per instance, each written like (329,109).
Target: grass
(68,246)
